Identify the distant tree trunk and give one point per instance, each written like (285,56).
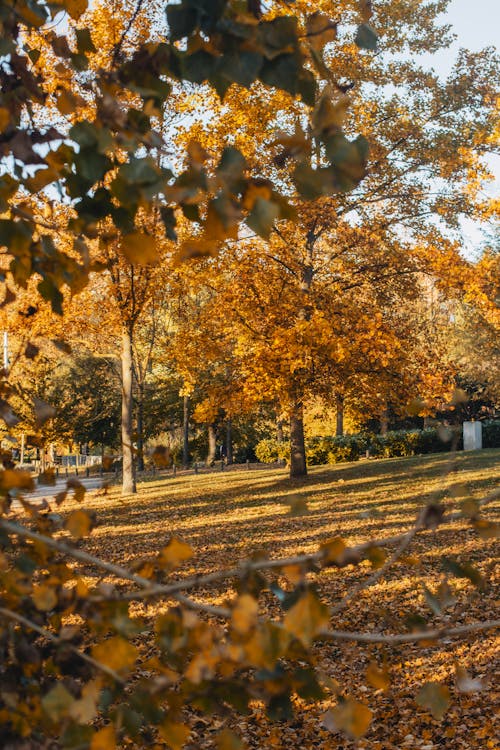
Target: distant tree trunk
(185,432)
(384,421)
(128,484)
(339,428)
(212,445)
(298,466)
(140,427)
(279,431)
(229,442)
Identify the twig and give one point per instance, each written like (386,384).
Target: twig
(395,638)
(132,19)
(54,639)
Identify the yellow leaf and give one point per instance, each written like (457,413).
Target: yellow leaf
(12,479)
(174,734)
(293,573)
(67,102)
(228,740)
(140,249)
(435,698)
(351,717)
(378,677)
(44,597)
(162,457)
(78,488)
(104,739)
(199,247)
(43,411)
(306,618)
(75,8)
(320,30)
(4,118)
(174,553)
(78,524)
(376,556)
(116,653)
(333,550)
(85,709)
(244,616)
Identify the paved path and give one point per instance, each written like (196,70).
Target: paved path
(49,492)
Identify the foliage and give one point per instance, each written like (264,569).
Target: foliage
(395,443)
(491,433)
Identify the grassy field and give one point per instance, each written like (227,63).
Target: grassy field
(228,516)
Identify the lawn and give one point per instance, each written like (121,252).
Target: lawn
(232,515)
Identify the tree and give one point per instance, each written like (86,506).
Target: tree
(425,163)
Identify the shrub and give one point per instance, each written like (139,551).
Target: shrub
(491,433)
(269,450)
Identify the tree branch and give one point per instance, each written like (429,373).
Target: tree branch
(7,613)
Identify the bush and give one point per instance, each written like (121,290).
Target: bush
(269,451)
(491,433)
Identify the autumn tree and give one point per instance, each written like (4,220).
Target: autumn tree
(427,141)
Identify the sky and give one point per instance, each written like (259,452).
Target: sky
(476,24)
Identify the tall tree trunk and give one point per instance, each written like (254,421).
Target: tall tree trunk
(185,432)
(298,466)
(128,484)
(140,427)
(229,441)
(212,445)
(339,427)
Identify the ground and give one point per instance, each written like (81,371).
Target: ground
(228,516)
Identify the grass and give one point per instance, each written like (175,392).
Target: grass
(228,516)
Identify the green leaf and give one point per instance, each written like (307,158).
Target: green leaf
(262,217)
(435,698)
(57,703)
(282,72)
(52,294)
(182,20)
(366,38)
(84,41)
(464,570)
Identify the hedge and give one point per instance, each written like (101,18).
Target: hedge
(331,450)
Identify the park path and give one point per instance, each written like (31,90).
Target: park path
(48,493)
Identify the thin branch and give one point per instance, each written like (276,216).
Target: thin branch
(132,20)
(58,641)
(422,635)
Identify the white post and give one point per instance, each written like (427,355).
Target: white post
(473,438)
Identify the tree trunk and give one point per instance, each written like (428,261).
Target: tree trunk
(384,421)
(279,431)
(339,428)
(140,427)
(212,445)
(229,442)
(298,466)
(185,432)
(128,484)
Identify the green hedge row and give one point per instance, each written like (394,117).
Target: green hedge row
(332,450)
